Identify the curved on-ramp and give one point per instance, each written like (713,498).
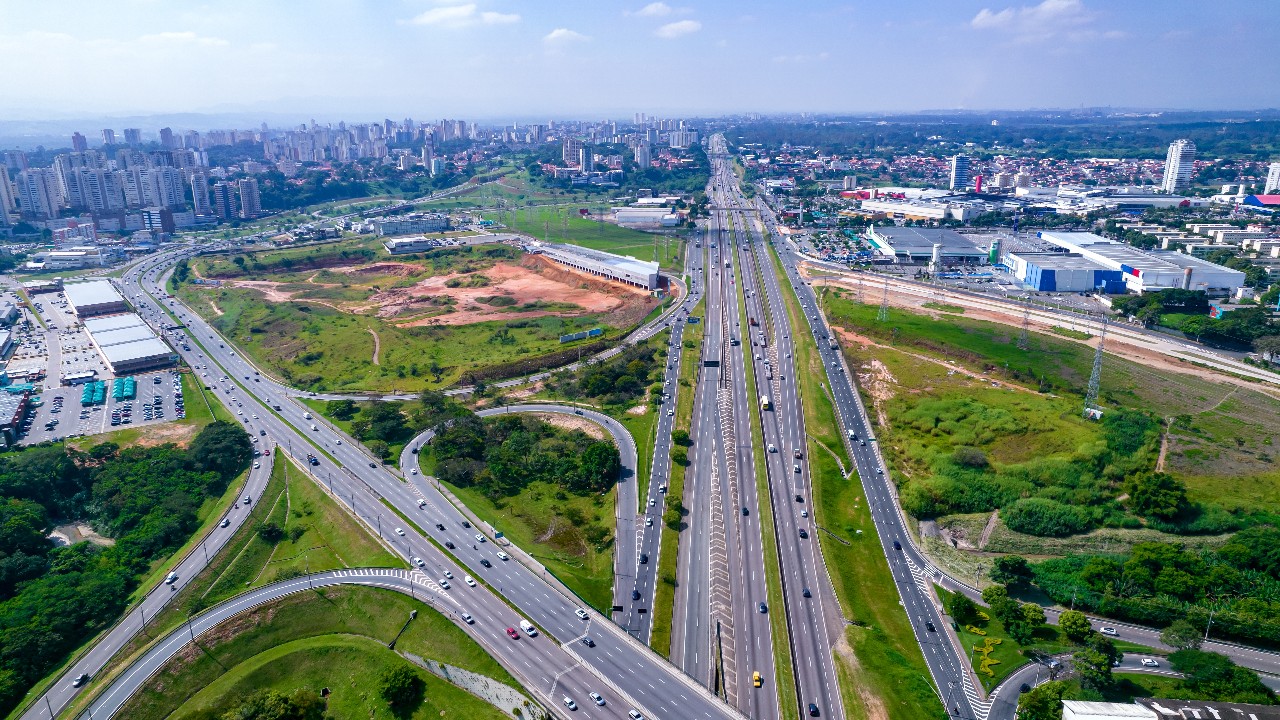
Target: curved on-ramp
(626,511)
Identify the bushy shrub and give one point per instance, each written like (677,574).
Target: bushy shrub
(1043,517)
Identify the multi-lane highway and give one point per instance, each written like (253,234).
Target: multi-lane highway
(615,665)
(951,675)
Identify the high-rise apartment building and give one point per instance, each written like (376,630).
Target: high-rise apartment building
(38,193)
(1273,179)
(78,142)
(8,197)
(250,200)
(570,151)
(224,200)
(1022,180)
(163,187)
(200,194)
(585,163)
(108,136)
(1179,166)
(166,139)
(959,172)
(644,156)
(132,137)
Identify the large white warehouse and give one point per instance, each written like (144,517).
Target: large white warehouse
(1147,270)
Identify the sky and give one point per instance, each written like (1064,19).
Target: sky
(510,60)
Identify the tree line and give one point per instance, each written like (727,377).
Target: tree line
(52,599)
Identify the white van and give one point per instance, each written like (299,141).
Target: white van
(528,628)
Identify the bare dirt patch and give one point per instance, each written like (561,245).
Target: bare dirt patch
(535,279)
(162,433)
(572,422)
(78,532)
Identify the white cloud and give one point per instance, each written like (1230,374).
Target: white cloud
(678,28)
(1068,19)
(800,58)
(561,36)
(187,37)
(654,9)
(458,16)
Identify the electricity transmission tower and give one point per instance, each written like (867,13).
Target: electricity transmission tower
(1091,409)
(1024,339)
(884,303)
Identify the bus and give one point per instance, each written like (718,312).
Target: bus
(764,403)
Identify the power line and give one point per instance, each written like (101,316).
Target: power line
(1091,409)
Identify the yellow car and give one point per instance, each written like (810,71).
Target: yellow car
(755,678)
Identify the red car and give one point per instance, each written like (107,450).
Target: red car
(511,633)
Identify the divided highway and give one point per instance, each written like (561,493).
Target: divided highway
(616,665)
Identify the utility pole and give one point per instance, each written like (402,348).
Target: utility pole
(1024,339)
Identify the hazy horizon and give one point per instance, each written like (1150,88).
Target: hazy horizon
(494,59)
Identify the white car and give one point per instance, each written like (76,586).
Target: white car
(569,703)
(479,537)
(444,583)
(582,614)
(400,532)
(414,471)
(418,561)
(448,574)
(503,556)
(1148,662)
(1109,631)
(595,697)
(469,580)
(466,618)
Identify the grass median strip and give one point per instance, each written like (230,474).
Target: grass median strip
(880,665)
(782,660)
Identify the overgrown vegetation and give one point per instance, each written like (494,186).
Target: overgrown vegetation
(1158,583)
(618,381)
(145,499)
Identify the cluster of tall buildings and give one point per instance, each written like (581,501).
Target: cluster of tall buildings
(88,181)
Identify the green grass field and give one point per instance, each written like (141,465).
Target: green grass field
(335,637)
(551,525)
(882,672)
(330,539)
(563,223)
(344,664)
(1220,445)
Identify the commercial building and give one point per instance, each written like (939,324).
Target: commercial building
(95,297)
(413,223)
(1179,165)
(405,246)
(645,216)
(960,172)
(918,210)
(127,345)
(8,313)
(1149,270)
(12,409)
(621,268)
(914,245)
(1063,272)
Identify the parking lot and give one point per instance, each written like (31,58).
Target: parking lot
(61,415)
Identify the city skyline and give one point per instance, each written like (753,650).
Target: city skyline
(499,58)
